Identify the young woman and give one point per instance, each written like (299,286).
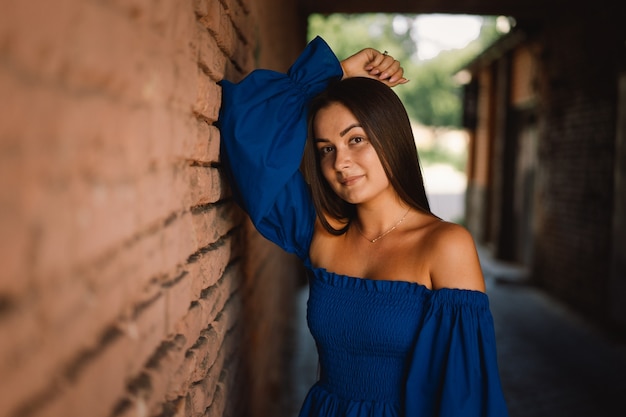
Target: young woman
(397,302)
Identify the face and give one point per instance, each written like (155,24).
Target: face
(348,160)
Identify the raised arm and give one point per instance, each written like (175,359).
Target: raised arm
(263,126)
(373,64)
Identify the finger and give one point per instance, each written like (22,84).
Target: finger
(398,76)
(374,59)
(395,83)
(388,69)
(379,62)
(398,82)
(385,66)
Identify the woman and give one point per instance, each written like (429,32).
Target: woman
(397,302)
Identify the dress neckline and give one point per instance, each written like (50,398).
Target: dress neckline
(397,288)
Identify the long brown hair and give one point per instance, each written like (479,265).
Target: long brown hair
(383,117)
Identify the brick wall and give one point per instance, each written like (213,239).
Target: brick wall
(129,279)
(576,160)
(558,204)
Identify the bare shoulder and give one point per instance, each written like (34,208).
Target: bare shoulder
(454,261)
(323,243)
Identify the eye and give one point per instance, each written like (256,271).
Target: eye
(357,139)
(325,150)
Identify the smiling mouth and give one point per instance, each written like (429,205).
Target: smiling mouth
(350,180)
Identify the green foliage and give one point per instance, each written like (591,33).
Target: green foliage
(349,33)
(441,155)
(432,97)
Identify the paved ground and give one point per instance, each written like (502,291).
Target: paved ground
(552,362)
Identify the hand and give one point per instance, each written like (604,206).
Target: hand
(372,64)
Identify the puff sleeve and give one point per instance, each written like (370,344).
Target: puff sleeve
(453,369)
(263,129)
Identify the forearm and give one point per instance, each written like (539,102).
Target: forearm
(373,64)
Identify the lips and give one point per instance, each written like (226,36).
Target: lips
(347,181)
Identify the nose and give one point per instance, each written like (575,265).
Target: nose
(342,158)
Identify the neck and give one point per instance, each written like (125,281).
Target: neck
(375,224)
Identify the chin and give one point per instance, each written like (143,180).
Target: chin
(352,199)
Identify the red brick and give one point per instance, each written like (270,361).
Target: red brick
(241,19)
(215,340)
(199,397)
(37,51)
(97,150)
(107,54)
(208,99)
(209,267)
(214,13)
(180,379)
(159,373)
(21,358)
(206,185)
(97,385)
(210,58)
(153,206)
(201,7)
(202,394)
(205,146)
(214,222)
(183,96)
(109,192)
(178,299)
(185,136)
(111,285)
(219,25)
(178,241)
(150,324)
(216,409)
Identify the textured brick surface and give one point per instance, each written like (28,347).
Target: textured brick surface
(544,172)
(125,282)
(577,159)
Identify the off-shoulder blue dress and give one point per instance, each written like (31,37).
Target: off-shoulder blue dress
(386,348)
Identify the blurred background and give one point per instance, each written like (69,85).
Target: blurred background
(131,283)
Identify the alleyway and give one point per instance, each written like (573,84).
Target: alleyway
(552,362)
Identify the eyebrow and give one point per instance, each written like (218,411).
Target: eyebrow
(347,129)
(342,133)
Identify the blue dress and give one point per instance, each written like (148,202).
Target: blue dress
(386,348)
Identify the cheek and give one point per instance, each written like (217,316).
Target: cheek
(376,168)
(371,159)
(327,168)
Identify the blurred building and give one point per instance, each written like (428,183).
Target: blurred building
(132,285)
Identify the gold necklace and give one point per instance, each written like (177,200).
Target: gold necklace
(382,235)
